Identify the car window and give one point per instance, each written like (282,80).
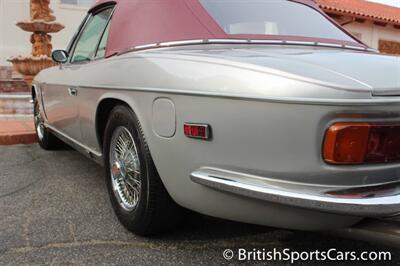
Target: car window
(272,17)
(101,51)
(86,45)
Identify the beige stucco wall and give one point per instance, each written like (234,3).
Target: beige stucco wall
(14,41)
(371,34)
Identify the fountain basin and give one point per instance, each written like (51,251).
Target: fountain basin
(31,65)
(40,26)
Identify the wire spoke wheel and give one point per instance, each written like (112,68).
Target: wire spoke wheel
(125,168)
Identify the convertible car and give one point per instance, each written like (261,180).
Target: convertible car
(258,111)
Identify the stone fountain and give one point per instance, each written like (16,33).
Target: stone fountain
(42,23)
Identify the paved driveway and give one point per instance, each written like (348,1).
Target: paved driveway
(54,209)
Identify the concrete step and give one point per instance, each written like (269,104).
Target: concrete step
(15,104)
(13,85)
(17,132)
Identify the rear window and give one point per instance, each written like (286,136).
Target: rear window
(272,17)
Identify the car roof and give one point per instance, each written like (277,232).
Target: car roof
(138,23)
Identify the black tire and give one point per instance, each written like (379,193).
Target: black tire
(155,211)
(46,139)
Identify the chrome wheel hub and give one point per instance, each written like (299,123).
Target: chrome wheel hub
(125,168)
(39,122)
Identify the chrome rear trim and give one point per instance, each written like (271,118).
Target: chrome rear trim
(296,195)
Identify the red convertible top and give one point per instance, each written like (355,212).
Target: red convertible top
(144,22)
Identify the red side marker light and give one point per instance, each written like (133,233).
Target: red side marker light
(197,131)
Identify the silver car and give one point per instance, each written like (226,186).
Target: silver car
(259,111)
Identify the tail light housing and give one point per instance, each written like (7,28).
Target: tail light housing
(362,143)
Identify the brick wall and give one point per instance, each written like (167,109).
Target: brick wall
(11,81)
(389,47)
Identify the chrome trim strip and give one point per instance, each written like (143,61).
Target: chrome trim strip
(226,41)
(146,46)
(237,41)
(176,43)
(331,45)
(355,48)
(373,50)
(267,41)
(300,43)
(260,188)
(86,148)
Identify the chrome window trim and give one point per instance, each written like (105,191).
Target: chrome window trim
(373,50)
(234,41)
(301,42)
(71,49)
(146,46)
(330,44)
(102,35)
(76,34)
(77,38)
(225,41)
(267,41)
(355,47)
(175,43)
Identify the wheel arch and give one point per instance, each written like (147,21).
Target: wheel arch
(103,111)
(104,108)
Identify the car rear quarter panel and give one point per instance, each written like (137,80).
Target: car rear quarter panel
(261,123)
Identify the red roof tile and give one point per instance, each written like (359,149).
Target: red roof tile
(362,8)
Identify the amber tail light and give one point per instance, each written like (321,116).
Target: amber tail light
(362,143)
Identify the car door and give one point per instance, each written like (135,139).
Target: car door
(62,98)
(89,97)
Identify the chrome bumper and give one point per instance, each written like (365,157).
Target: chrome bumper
(375,201)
